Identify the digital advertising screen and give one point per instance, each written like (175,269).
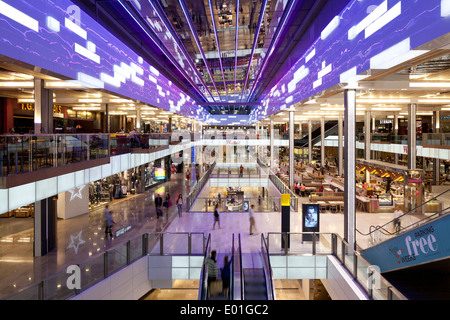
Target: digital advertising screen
(160,173)
(310,217)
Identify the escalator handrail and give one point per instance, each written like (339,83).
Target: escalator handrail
(409,212)
(267,269)
(203,290)
(315,136)
(241,268)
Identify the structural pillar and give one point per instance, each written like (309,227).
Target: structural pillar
(436,161)
(367,141)
(138,119)
(43,108)
(322,141)
(291,148)
(412,108)
(271,144)
(309,142)
(350,167)
(395,126)
(340,164)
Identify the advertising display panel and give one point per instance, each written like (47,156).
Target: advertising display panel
(310,219)
(160,173)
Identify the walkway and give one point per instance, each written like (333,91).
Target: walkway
(83,237)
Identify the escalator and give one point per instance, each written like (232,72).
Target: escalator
(257,280)
(331,127)
(416,258)
(251,275)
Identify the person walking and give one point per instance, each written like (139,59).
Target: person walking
(180,204)
(108,222)
(167,203)
(225,275)
(216,216)
(213,271)
(251,219)
(397,214)
(158,204)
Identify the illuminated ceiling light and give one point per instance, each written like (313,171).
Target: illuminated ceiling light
(382,100)
(429,84)
(25,100)
(386,109)
(87,108)
(120,101)
(62,84)
(444,101)
(90,100)
(17,84)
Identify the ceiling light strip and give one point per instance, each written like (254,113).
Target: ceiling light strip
(284,18)
(255,41)
(163,49)
(165,20)
(187,15)
(213,20)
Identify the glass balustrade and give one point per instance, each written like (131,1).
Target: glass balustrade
(104,265)
(28,153)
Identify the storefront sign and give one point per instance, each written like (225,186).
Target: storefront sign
(160,173)
(30,107)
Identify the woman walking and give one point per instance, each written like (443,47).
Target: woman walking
(180,204)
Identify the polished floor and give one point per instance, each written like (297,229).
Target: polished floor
(81,238)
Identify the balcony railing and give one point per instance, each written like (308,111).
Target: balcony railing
(28,153)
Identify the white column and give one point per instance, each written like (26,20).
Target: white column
(395,126)
(43,108)
(412,108)
(340,146)
(309,142)
(271,145)
(138,119)
(350,167)
(291,147)
(367,140)
(322,141)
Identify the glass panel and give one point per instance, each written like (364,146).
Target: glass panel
(174,243)
(349,258)
(324,244)
(92,271)
(197,246)
(31,293)
(55,288)
(136,248)
(117,258)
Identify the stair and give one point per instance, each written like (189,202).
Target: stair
(254,284)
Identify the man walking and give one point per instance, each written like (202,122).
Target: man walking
(251,219)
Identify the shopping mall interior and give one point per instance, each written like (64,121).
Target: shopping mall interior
(306,141)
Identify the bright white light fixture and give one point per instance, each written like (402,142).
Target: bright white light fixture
(429,84)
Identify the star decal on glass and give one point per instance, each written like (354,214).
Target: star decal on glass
(76,241)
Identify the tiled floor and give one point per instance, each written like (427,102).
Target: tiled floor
(18,268)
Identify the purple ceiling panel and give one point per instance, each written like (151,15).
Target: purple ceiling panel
(57,36)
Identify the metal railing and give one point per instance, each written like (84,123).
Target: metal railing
(203,287)
(433,208)
(284,189)
(198,187)
(365,275)
(102,266)
(266,204)
(270,287)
